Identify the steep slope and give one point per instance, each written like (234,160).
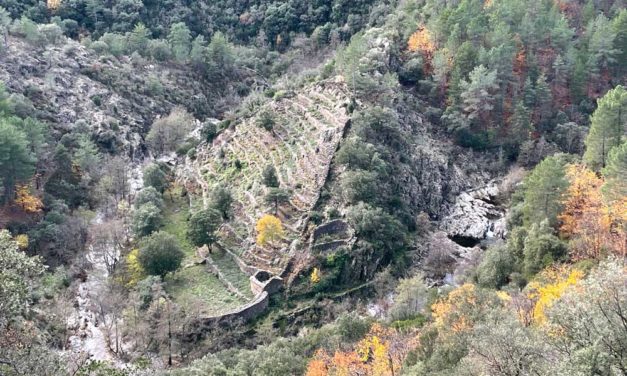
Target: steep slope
(117,98)
(307,128)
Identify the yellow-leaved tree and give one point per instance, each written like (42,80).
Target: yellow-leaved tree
(315,276)
(421,42)
(549,286)
(22,241)
(134,267)
(28,202)
(591,223)
(269,230)
(379,353)
(451,312)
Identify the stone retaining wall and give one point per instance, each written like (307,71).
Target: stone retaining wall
(330,246)
(243,313)
(333,227)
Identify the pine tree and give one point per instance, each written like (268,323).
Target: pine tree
(608,127)
(529,94)
(220,53)
(520,127)
(543,191)
(477,98)
(269,177)
(138,39)
(544,101)
(180,39)
(465,61)
(5,22)
(198,52)
(619,25)
(16,161)
(615,174)
(602,53)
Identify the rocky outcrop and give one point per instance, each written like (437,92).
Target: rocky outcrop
(475,216)
(116,98)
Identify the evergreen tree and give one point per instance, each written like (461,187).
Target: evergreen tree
(615,174)
(146,220)
(619,25)
(608,128)
(277,196)
(16,161)
(543,190)
(198,52)
(477,97)
(529,93)
(520,127)
(160,254)
(148,195)
(544,102)
(221,200)
(155,177)
(17,279)
(465,61)
(138,39)
(5,22)
(601,51)
(220,54)
(203,226)
(270,178)
(180,39)
(542,248)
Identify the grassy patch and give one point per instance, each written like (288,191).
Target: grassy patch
(232,272)
(193,285)
(196,286)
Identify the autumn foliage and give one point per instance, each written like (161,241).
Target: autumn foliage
(380,353)
(26,201)
(269,230)
(550,286)
(315,276)
(421,42)
(592,224)
(450,312)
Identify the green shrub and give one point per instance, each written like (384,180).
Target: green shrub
(146,220)
(160,254)
(495,268)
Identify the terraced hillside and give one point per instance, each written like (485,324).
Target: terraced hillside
(307,128)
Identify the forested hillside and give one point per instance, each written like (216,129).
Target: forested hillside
(328,187)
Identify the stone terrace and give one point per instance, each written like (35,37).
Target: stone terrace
(309,126)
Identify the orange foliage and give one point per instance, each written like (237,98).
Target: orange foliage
(447,312)
(520,61)
(421,41)
(592,224)
(318,366)
(380,353)
(26,201)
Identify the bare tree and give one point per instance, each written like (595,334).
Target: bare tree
(108,240)
(114,185)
